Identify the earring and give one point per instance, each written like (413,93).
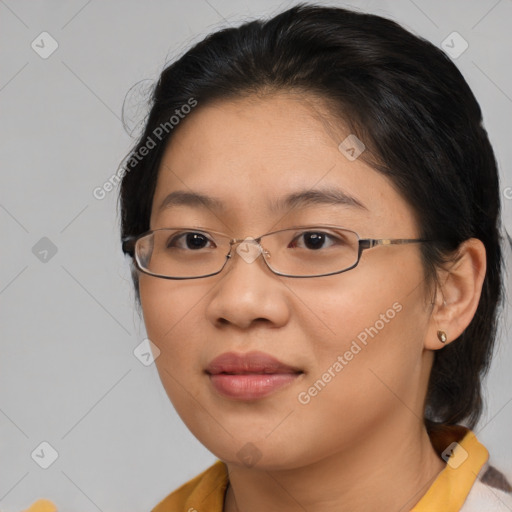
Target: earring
(441,335)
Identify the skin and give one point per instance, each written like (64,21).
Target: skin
(360,443)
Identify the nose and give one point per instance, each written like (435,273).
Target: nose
(248,292)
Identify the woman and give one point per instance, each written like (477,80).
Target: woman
(313,216)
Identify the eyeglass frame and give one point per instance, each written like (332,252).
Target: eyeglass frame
(129,245)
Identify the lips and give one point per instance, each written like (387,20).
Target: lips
(249,376)
(251,362)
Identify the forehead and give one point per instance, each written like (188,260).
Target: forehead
(253,154)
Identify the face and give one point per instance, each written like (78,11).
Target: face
(342,341)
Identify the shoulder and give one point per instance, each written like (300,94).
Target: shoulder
(490,492)
(204,492)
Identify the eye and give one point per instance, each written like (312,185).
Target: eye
(314,240)
(189,241)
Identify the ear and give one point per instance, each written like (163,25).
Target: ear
(457,294)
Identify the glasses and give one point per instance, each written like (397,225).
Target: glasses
(305,251)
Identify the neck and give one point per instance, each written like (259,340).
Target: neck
(391,470)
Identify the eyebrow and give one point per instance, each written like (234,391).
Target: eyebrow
(302,198)
(326,196)
(193,199)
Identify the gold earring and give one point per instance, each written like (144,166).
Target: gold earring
(441,335)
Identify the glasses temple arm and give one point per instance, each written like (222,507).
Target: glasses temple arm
(368,243)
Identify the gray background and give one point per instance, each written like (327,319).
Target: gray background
(68,375)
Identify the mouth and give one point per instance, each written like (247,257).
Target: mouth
(249,376)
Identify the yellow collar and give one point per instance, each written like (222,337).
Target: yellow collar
(451,487)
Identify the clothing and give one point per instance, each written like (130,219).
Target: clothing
(458,488)
(42,506)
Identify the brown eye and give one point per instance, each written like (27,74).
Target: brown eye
(189,240)
(313,240)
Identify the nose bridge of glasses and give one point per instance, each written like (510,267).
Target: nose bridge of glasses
(249,248)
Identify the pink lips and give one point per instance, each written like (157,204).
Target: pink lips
(249,376)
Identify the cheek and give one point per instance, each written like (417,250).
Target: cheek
(375,325)
(368,303)
(171,316)
(373,357)
(166,303)
(171,312)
